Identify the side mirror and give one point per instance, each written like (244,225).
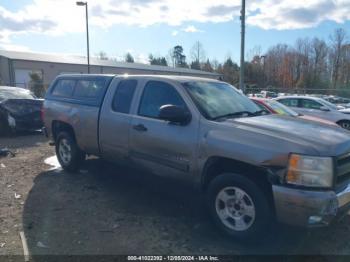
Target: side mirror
(174,114)
(324,108)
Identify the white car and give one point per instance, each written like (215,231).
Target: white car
(315,106)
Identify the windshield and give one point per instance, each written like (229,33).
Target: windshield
(329,104)
(280,109)
(216,100)
(15,93)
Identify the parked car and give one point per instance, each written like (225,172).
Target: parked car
(20,110)
(318,107)
(340,102)
(252,167)
(268,94)
(274,107)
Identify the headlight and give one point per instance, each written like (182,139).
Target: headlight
(310,171)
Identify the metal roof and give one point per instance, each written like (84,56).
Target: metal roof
(80,60)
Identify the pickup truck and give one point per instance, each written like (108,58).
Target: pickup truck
(254,168)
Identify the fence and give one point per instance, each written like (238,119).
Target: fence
(342,92)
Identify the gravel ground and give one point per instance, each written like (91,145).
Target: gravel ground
(106,209)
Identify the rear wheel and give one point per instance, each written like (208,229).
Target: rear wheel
(68,153)
(344,124)
(238,206)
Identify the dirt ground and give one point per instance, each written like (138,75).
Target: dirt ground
(106,209)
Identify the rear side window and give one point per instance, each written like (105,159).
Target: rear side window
(64,88)
(123,96)
(89,88)
(289,102)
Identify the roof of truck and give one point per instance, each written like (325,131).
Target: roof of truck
(170,77)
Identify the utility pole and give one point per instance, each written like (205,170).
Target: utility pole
(241,74)
(87,31)
(264,63)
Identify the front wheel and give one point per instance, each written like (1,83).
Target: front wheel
(68,153)
(238,206)
(344,124)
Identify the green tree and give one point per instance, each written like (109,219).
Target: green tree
(178,57)
(195,65)
(36,84)
(230,71)
(157,60)
(129,58)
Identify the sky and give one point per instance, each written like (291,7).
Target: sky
(142,27)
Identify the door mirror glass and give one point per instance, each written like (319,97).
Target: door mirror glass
(324,108)
(174,114)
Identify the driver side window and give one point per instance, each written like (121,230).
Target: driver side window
(157,94)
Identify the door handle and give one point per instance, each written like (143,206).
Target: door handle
(140,127)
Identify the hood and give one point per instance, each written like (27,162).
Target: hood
(317,119)
(345,110)
(325,140)
(22,107)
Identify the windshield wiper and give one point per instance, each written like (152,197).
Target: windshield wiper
(232,115)
(240,114)
(261,112)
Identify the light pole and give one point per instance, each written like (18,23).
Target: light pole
(241,74)
(79,3)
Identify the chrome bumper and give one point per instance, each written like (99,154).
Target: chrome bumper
(309,208)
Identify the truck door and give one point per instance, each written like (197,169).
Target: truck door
(155,144)
(115,119)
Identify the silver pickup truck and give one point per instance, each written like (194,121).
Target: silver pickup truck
(254,168)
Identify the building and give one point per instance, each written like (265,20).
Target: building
(16,67)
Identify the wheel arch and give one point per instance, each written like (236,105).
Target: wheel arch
(59,126)
(339,122)
(217,165)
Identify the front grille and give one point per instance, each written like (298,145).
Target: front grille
(342,170)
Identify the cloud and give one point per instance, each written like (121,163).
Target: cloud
(284,15)
(18,24)
(223,10)
(13,47)
(61,17)
(191,29)
(175,33)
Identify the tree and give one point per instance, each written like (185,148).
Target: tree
(36,84)
(102,55)
(178,57)
(319,59)
(197,55)
(157,60)
(230,71)
(195,65)
(208,67)
(129,58)
(215,64)
(337,42)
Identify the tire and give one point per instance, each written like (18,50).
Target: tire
(68,153)
(4,127)
(239,207)
(344,124)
